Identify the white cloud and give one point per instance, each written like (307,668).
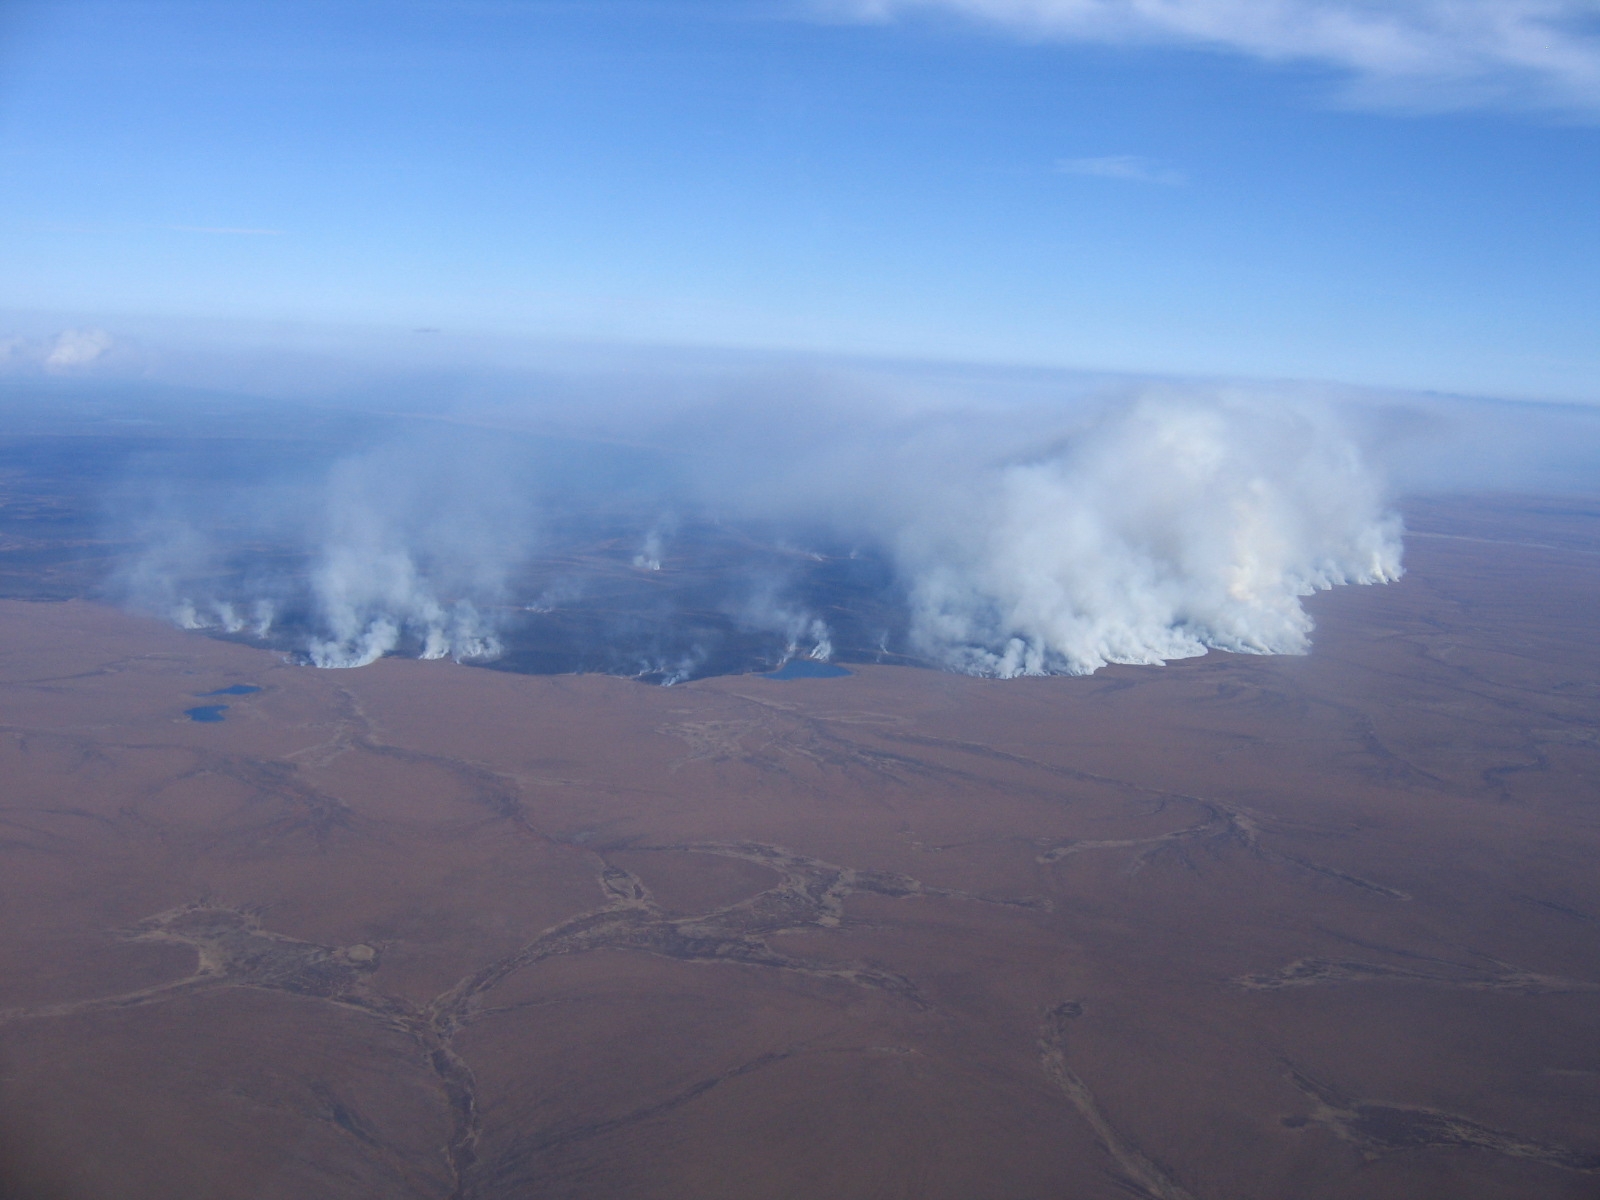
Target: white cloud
(1413,53)
(61,353)
(1123,166)
(76,348)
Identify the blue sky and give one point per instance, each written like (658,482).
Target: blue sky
(1240,187)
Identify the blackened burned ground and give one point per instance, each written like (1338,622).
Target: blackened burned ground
(726,600)
(86,493)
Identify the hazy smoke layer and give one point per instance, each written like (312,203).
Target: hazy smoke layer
(991,539)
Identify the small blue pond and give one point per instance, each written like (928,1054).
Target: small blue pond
(206,712)
(806,668)
(238,689)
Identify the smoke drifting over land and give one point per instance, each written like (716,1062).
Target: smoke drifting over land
(798,517)
(1166,529)
(398,546)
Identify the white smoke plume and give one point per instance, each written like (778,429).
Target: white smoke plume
(392,563)
(804,517)
(1169,528)
(395,548)
(804,634)
(653,549)
(223,615)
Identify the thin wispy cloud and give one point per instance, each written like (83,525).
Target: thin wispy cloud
(1427,54)
(1130,167)
(226,229)
(66,352)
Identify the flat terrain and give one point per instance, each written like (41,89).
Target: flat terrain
(1234,928)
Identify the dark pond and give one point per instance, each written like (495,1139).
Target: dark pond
(806,668)
(206,712)
(238,689)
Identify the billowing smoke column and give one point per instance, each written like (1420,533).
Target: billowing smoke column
(1168,529)
(369,596)
(397,548)
(990,540)
(388,552)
